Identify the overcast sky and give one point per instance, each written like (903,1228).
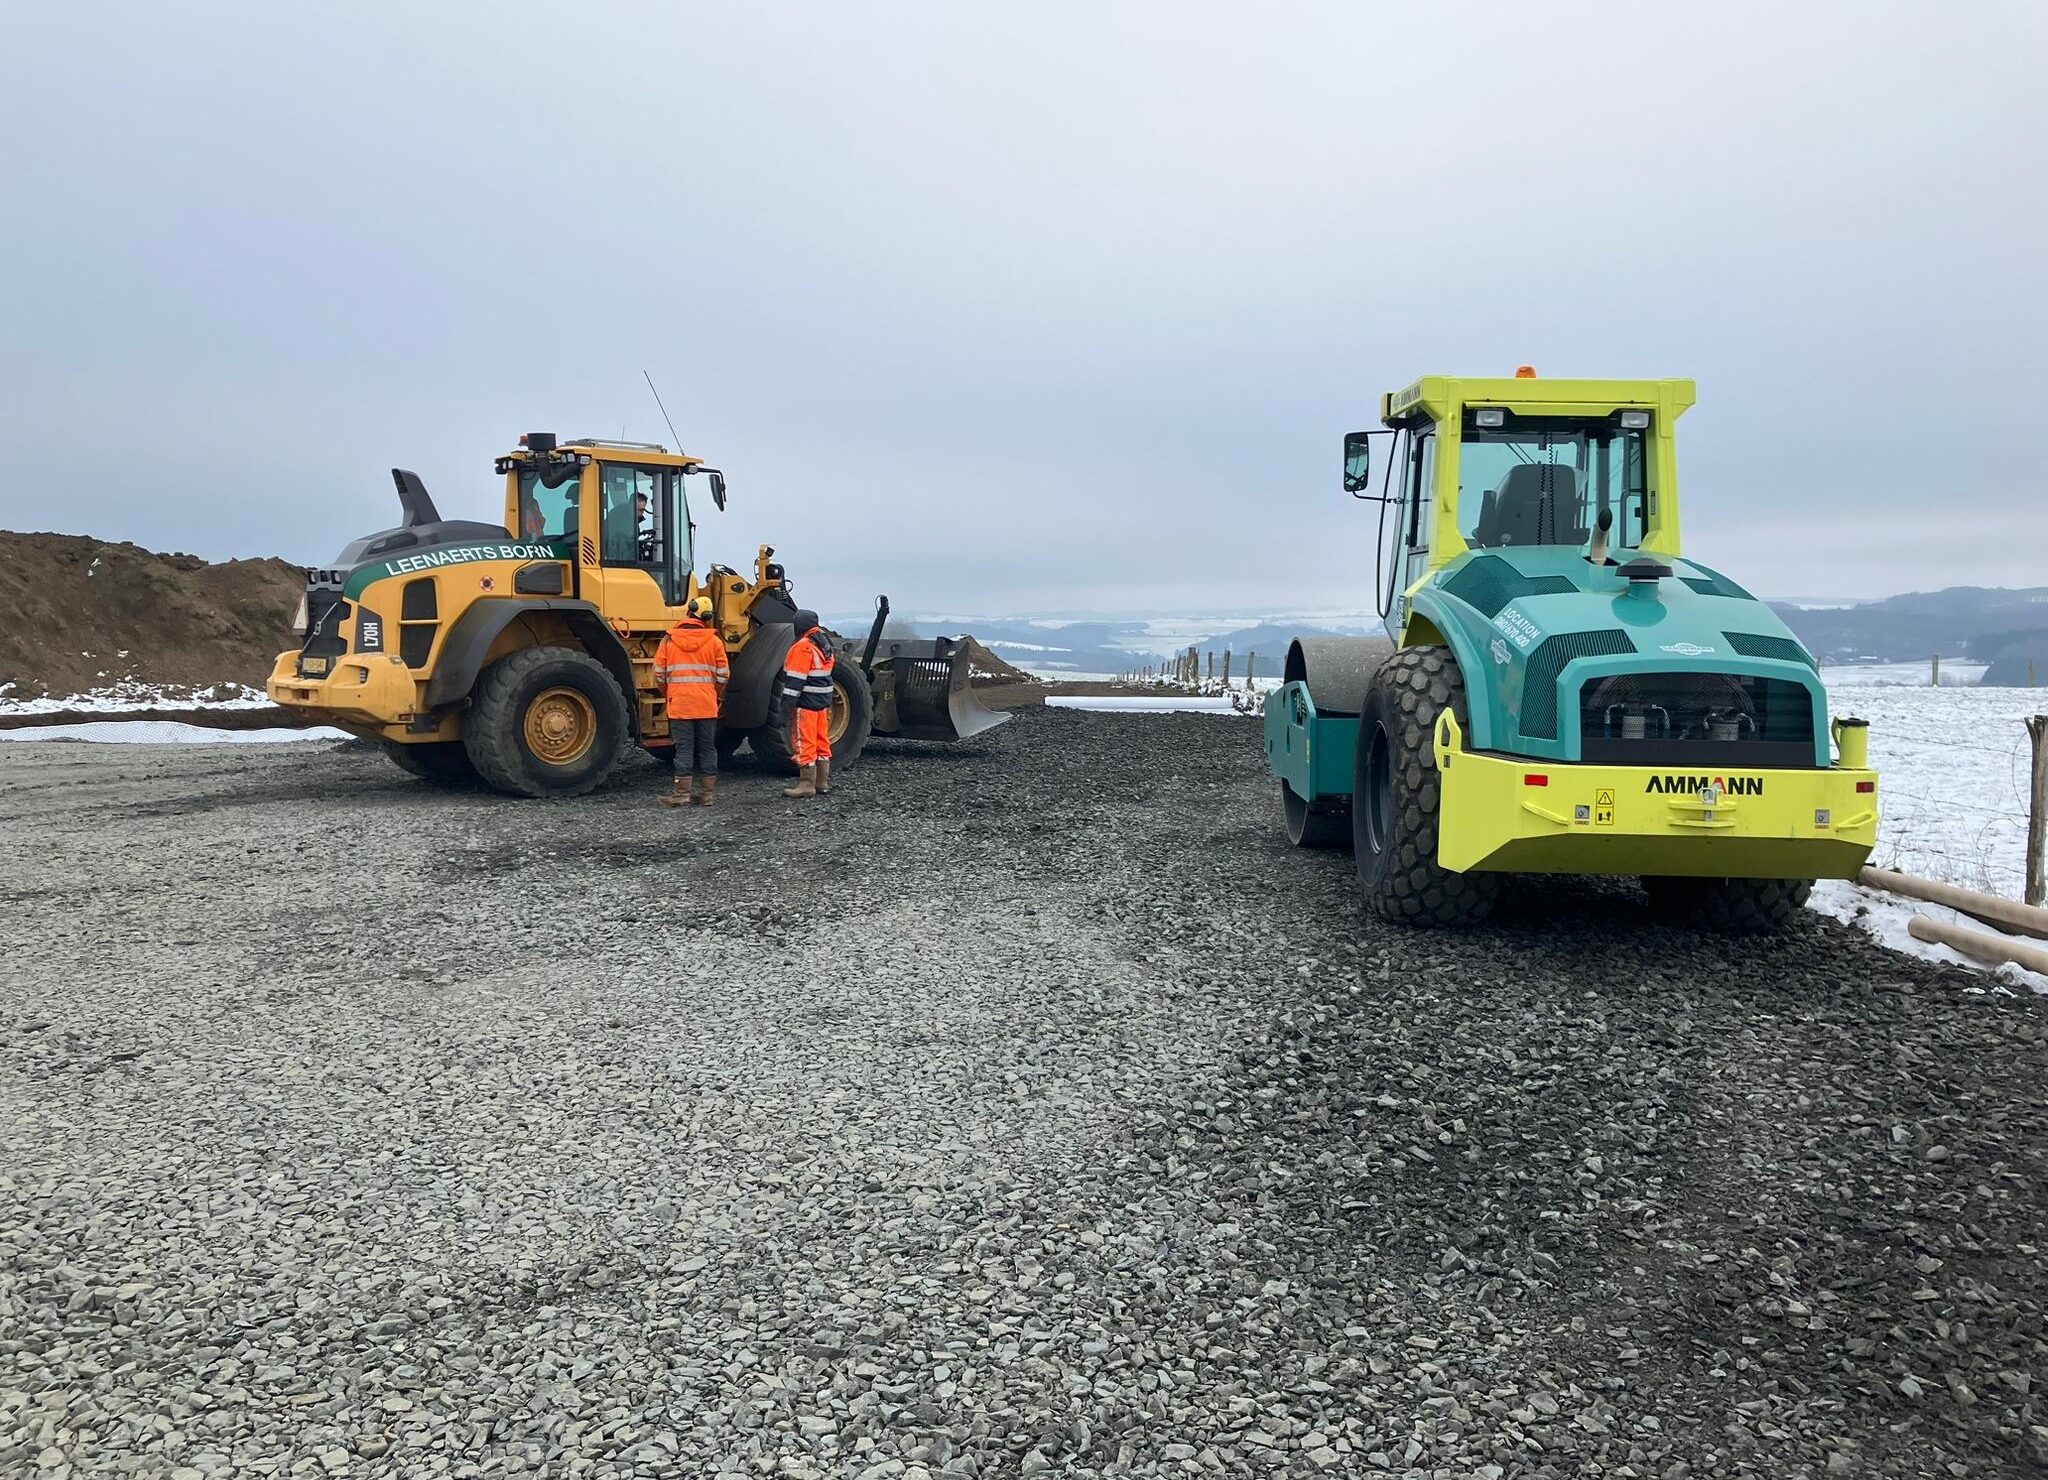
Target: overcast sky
(1032,309)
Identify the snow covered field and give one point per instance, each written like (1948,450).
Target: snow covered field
(1952,768)
(167,732)
(128,696)
(1955,673)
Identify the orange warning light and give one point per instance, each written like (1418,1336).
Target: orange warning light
(1525,372)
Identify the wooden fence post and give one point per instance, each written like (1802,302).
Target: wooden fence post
(1934,678)
(1249,659)
(2037,812)
(1212,664)
(1226,668)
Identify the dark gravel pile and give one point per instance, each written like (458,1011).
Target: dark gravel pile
(1023,1109)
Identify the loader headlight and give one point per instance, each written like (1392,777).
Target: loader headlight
(1635,421)
(1489,416)
(302,618)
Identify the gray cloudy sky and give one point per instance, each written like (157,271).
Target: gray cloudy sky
(1051,307)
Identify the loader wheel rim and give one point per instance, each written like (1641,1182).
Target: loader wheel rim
(840,716)
(561,726)
(1379,790)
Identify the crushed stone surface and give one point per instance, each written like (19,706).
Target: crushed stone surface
(1025,1108)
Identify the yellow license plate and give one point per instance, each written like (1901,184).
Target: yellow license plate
(312,665)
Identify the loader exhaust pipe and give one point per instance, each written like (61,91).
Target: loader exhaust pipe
(867,654)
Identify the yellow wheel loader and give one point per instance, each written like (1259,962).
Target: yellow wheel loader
(522,655)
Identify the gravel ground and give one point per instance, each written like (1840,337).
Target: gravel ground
(1027,1108)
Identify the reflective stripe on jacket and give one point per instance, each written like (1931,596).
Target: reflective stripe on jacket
(807,672)
(691,667)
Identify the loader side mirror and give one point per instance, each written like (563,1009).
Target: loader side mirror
(718,489)
(1357,461)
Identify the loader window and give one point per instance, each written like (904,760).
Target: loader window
(1543,480)
(544,510)
(646,524)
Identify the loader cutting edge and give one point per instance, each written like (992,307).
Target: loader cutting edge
(924,690)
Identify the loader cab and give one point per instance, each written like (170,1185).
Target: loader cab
(619,511)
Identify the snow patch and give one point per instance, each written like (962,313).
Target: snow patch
(1145,703)
(1887,919)
(128,695)
(166,732)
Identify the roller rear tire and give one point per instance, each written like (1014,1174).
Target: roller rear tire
(1397,796)
(1732,906)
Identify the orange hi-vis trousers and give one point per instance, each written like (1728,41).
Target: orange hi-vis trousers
(813,736)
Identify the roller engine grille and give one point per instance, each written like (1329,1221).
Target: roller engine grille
(1538,718)
(1696,719)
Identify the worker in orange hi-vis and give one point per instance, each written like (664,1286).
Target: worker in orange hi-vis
(691,667)
(807,689)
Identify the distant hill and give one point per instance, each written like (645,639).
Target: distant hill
(84,614)
(1055,646)
(1985,624)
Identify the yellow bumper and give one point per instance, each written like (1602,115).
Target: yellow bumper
(1505,814)
(368,693)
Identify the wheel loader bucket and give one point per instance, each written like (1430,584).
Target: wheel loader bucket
(924,690)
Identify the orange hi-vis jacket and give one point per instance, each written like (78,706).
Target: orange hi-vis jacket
(807,672)
(691,665)
(807,685)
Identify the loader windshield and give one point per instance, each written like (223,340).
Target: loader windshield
(1543,480)
(544,510)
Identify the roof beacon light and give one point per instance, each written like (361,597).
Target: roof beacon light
(1635,420)
(1489,416)
(1525,372)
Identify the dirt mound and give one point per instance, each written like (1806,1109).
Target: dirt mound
(989,669)
(84,614)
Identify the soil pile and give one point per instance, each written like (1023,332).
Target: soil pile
(84,614)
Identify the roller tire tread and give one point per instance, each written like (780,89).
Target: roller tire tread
(1417,684)
(1730,906)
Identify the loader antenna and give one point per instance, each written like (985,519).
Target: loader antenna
(677,439)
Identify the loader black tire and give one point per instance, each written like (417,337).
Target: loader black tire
(1396,796)
(546,722)
(1731,906)
(444,761)
(775,745)
(1313,827)
(729,743)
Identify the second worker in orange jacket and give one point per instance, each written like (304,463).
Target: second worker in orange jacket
(691,667)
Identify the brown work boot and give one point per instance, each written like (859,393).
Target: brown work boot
(824,775)
(680,795)
(806,783)
(705,786)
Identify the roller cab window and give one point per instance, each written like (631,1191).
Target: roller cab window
(1545,480)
